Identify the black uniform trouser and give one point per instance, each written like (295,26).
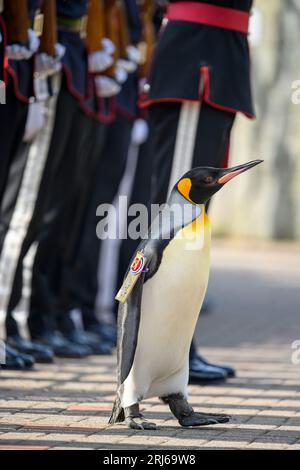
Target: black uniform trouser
(172,135)
(140,194)
(53,191)
(13,151)
(210,141)
(82,285)
(48,267)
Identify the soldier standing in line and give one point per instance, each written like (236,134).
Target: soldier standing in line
(25,29)
(84,285)
(67,138)
(199,80)
(3,60)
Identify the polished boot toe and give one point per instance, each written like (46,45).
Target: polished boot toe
(230,371)
(107,333)
(62,347)
(17,360)
(13,360)
(42,354)
(90,340)
(200,373)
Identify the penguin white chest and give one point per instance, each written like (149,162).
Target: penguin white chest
(171,302)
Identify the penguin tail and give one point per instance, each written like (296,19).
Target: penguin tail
(117,414)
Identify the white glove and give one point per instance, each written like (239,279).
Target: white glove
(108,46)
(140,132)
(35,121)
(60,51)
(142,85)
(100,61)
(120,74)
(126,65)
(134,54)
(17,52)
(106,87)
(34,42)
(46,65)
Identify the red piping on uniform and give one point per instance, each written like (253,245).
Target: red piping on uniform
(211,15)
(205,72)
(97,115)
(125,113)
(226,158)
(94,114)
(106,118)
(4,43)
(145,104)
(16,88)
(72,89)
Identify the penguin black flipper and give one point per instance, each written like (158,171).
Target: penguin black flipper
(128,325)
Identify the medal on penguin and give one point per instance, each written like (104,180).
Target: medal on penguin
(160,301)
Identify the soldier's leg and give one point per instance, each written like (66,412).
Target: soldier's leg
(140,194)
(212,137)
(109,174)
(164,122)
(12,124)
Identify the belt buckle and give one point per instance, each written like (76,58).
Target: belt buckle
(38,24)
(83,26)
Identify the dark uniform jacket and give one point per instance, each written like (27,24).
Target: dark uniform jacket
(75,58)
(195,61)
(3,65)
(128,97)
(21,71)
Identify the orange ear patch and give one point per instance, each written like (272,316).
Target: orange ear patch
(184,187)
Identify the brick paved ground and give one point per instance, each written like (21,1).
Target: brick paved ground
(255,321)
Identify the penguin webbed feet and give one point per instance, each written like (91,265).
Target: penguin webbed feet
(187,417)
(135,420)
(202,419)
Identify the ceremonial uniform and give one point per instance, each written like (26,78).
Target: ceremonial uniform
(84,285)
(199,79)
(64,154)
(19,80)
(3,61)
(24,35)
(53,279)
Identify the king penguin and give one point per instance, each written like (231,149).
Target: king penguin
(157,318)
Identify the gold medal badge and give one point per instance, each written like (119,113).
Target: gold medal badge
(134,273)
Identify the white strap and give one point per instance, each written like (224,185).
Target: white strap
(185,141)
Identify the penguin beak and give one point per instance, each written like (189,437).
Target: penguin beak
(230,173)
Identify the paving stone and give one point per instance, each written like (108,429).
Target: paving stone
(66,405)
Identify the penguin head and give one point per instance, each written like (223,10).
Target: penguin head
(200,184)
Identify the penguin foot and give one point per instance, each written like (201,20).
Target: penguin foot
(219,417)
(139,423)
(202,419)
(135,420)
(186,416)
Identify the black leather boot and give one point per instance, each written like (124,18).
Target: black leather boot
(42,354)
